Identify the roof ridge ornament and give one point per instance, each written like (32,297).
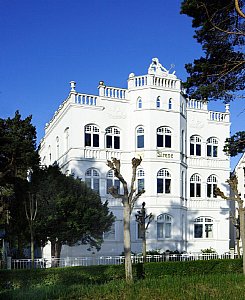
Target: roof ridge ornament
(156,68)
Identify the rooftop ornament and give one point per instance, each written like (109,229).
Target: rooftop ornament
(156,68)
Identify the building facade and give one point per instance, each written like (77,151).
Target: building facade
(180,142)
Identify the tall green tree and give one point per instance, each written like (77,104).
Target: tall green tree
(18,154)
(220,29)
(68,211)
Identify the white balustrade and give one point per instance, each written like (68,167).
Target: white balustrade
(86,99)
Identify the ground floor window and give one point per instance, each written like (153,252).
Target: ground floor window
(164,226)
(203,228)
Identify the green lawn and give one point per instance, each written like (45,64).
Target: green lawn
(186,280)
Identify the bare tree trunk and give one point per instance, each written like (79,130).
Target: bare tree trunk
(127,242)
(32,247)
(242,232)
(144,244)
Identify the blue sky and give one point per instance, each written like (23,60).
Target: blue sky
(47,43)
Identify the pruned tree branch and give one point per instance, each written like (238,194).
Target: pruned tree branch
(240,13)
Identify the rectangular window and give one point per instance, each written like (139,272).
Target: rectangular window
(159,140)
(191,149)
(141,184)
(116,142)
(168,230)
(209,230)
(95,140)
(140,141)
(167,186)
(192,189)
(168,141)
(209,190)
(140,231)
(215,151)
(87,139)
(108,141)
(108,185)
(111,234)
(96,186)
(160,230)
(117,185)
(209,150)
(198,231)
(159,185)
(198,150)
(198,191)
(88,182)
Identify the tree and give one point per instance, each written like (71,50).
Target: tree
(129,197)
(233,183)
(18,154)
(235,144)
(69,212)
(220,30)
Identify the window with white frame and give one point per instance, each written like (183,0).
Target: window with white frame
(195,186)
(140,180)
(164,226)
(112,135)
(164,137)
(139,103)
(139,230)
(158,102)
(212,147)
(111,234)
(195,145)
(170,104)
(112,180)
(91,135)
(92,179)
(211,186)
(140,137)
(66,140)
(203,228)
(163,182)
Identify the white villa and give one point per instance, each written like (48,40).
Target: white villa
(180,142)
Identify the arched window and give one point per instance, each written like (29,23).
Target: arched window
(212,147)
(195,145)
(164,137)
(92,179)
(195,186)
(112,180)
(140,137)
(164,226)
(91,136)
(203,228)
(163,182)
(66,134)
(211,186)
(139,103)
(170,103)
(140,180)
(183,142)
(112,137)
(158,102)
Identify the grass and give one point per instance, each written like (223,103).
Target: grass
(106,283)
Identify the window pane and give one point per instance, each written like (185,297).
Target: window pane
(96,186)
(192,190)
(87,139)
(159,140)
(168,141)
(108,185)
(214,189)
(209,190)
(140,232)
(198,149)
(117,185)
(167,230)
(215,151)
(159,230)
(96,140)
(198,191)
(88,182)
(167,186)
(209,230)
(209,150)
(108,141)
(198,231)
(140,141)
(110,235)
(191,149)
(159,185)
(140,184)
(116,142)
